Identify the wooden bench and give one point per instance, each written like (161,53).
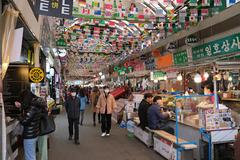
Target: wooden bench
(166,145)
(173,139)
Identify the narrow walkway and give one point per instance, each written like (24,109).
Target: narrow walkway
(94,147)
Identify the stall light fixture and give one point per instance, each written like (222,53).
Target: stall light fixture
(100,74)
(230,78)
(218,77)
(205,75)
(197,78)
(103,77)
(165,78)
(179,77)
(155,81)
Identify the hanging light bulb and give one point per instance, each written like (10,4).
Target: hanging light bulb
(100,74)
(197,78)
(179,77)
(230,78)
(155,81)
(205,75)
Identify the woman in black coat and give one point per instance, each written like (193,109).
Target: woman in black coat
(32,107)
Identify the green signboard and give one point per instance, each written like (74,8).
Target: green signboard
(180,58)
(227,45)
(158,75)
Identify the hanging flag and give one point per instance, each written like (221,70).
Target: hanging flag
(170,14)
(167,2)
(152,18)
(194,12)
(146,11)
(108,14)
(205,3)
(159,13)
(85,11)
(217,3)
(121,24)
(160,25)
(204,12)
(192,19)
(193,3)
(95,4)
(182,15)
(120,15)
(108,6)
(125,32)
(97,12)
(97,30)
(131,25)
(169,27)
(102,23)
(180,2)
(141,17)
(111,24)
(131,16)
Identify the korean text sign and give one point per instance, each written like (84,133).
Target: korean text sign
(56,8)
(227,45)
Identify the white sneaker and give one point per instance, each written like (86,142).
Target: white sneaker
(108,134)
(103,134)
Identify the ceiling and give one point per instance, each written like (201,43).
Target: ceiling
(94,43)
(105,32)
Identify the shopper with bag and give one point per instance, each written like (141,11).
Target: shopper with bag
(106,104)
(94,99)
(73,113)
(31,109)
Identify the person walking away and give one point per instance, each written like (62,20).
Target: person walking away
(31,108)
(143,110)
(83,103)
(73,113)
(106,104)
(94,99)
(157,117)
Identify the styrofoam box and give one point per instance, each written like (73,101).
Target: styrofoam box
(144,136)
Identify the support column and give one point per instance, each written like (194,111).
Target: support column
(36,54)
(36,47)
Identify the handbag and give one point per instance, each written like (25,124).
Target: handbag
(47,125)
(18,130)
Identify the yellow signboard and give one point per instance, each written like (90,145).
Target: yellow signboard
(36,75)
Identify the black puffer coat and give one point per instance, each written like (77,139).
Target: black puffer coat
(73,107)
(31,118)
(142,113)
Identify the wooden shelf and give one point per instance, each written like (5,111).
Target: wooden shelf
(231,99)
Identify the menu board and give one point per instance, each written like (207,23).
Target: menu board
(218,119)
(15,81)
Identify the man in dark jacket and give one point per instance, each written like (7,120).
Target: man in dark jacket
(32,108)
(143,108)
(157,117)
(73,113)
